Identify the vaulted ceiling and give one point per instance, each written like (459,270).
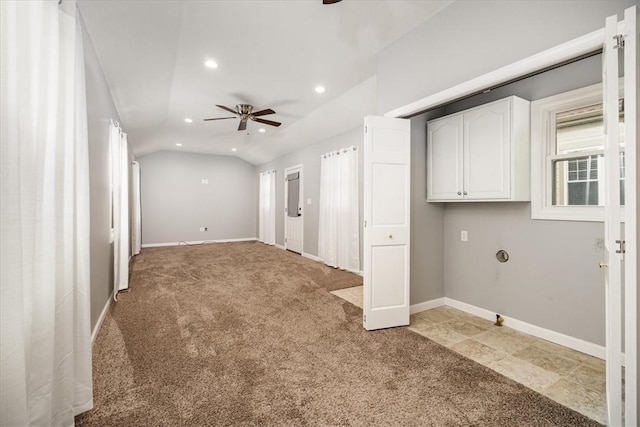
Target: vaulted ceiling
(271,54)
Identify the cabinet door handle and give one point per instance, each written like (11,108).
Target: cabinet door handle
(459,193)
(465,193)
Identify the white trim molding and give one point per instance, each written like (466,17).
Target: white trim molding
(198,242)
(427,305)
(313,257)
(279,246)
(100,321)
(577,344)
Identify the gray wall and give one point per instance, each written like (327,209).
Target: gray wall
(100,110)
(552,279)
(427,221)
(470,38)
(175,203)
(553,264)
(309,157)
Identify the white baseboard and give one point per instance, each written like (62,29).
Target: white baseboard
(586,347)
(103,314)
(198,242)
(313,257)
(279,246)
(427,305)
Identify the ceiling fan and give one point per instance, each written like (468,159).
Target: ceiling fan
(245,112)
(330,1)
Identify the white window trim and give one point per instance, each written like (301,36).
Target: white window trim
(543,113)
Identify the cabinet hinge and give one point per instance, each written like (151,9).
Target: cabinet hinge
(619,41)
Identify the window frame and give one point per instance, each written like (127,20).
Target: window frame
(543,154)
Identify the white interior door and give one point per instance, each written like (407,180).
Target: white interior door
(387,174)
(632,104)
(621,246)
(293,218)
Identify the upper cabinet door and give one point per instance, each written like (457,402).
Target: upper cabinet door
(444,157)
(487,151)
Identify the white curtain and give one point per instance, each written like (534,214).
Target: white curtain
(267,208)
(45,336)
(339,227)
(120,207)
(136,212)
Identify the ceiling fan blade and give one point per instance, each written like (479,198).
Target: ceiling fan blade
(330,1)
(231,110)
(263,112)
(242,125)
(268,122)
(219,118)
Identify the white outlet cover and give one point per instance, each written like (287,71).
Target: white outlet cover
(308,201)
(205,181)
(463,236)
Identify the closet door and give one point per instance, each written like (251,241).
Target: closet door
(444,158)
(487,151)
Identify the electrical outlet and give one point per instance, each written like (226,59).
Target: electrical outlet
(203,228)
(463,235)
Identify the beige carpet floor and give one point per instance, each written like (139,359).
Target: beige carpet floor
(247,334)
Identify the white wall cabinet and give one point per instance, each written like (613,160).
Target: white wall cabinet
(480,154)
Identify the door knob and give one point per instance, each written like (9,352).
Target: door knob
(603,265)
(459,193)
(391,236)
(465,193)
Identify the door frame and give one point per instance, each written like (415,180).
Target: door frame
(287,171)
(547,59)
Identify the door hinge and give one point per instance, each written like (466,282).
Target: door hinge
(364,318)
(365,129)
(365,223)
(621,246)
(285,240)
(619,41)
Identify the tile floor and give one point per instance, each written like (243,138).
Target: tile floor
(567,376)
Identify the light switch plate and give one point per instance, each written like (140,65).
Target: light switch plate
(308,201)
(463,235)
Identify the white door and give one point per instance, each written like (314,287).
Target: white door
(387,191)
(621,248)
(444,157)
(487,141)
(293,219)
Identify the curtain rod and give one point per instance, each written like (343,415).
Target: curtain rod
(268,172)
(337,152)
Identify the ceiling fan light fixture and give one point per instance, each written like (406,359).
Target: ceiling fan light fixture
(320,89)
(210,63)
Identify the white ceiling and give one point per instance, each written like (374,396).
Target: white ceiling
(271,54)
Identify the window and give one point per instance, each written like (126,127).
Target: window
(567,137)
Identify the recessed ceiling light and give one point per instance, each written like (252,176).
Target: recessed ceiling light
(262,130)
(210,63)
(234,149)
(320,89)
(188,120)
(178,144)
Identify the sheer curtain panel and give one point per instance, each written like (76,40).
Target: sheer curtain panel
(136,211)
(267,208)
(45,337)
(339,226)
(120,207)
